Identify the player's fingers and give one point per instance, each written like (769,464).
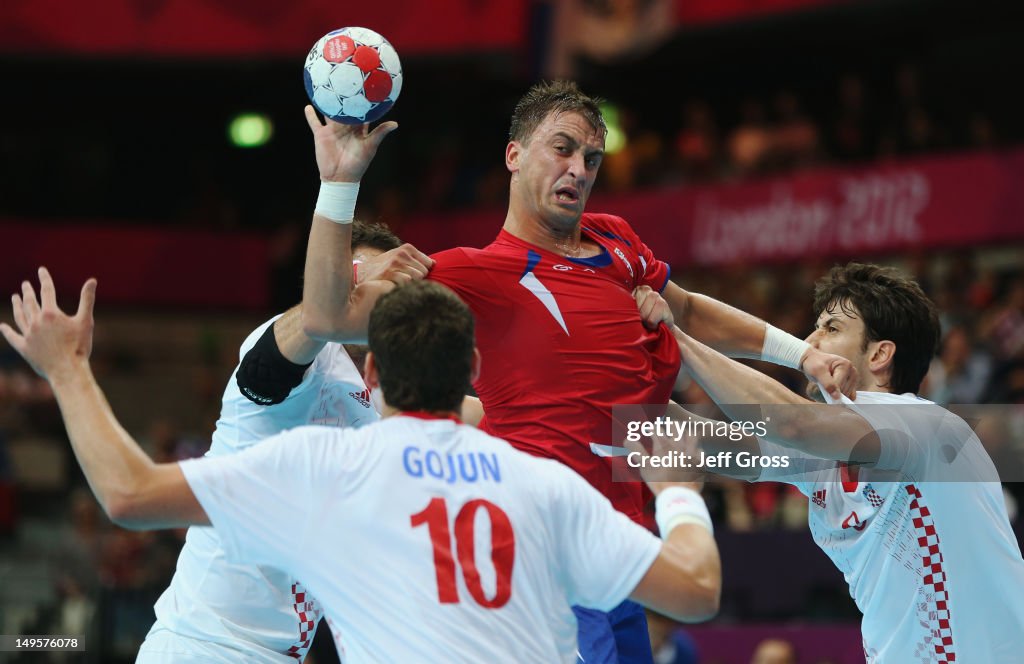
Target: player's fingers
(832,383)
(47,291)
(311,118)
(419,256)
(86,300)
(398,277)
(16,340)
(382,130)
(19,312)
(29,302)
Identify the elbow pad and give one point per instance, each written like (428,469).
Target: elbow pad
(265,376)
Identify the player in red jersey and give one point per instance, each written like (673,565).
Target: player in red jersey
(557,324)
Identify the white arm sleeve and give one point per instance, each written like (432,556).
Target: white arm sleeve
(263,500)
(603,554)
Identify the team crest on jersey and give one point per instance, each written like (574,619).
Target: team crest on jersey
(618,252)
(362,397)
(819,498)
(872,496)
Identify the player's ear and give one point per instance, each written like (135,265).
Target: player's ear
(370,376)
(474,366)
(512,151)
(882,356)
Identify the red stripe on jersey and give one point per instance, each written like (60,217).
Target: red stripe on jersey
(934,612)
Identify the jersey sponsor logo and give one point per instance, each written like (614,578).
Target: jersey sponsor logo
(530,282)
(362,397)
(857,524)
(569,268)
(819,498)
(451,468)
(618,252)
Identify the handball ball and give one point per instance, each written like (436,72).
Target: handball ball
(353,75)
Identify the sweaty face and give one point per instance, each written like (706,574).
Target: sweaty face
(841,332)
(555,168)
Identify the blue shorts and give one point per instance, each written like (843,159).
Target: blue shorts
(617,637)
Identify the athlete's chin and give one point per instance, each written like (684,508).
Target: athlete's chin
(565,215)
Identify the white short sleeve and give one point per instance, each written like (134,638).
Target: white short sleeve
(603,553)
(263,499)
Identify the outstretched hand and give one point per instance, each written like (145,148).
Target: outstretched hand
(834,374)
(344,152)
(48,339)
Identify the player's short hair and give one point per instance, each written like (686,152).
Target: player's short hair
(373,235)
(421,335)
(894,308)
(546,98)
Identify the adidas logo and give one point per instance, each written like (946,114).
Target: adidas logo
(819,498)
(362,397)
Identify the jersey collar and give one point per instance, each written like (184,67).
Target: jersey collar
(424,415)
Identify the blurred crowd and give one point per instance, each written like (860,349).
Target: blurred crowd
(854,119)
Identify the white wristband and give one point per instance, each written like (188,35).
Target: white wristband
(677,505)
(337,201)
(782,348)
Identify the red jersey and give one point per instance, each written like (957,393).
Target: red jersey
(562,342)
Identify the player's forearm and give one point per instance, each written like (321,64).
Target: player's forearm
(725,328)
(115,466)
(817,429)
(728,382)
(692,550)
(327,285)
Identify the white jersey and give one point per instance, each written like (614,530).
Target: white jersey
(928,553)
(216,610)
(427,540)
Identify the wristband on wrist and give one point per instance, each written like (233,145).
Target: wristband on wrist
(782,348)
(678,505)
(337,201)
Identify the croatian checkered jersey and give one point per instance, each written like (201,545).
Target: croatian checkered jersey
(217,610)
(425,539)
(928,551)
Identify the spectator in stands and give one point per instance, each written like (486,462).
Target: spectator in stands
(774,651)
(960,373)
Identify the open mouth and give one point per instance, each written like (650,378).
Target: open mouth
(567,195)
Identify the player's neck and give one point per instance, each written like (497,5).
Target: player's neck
(391,411)
(568,242)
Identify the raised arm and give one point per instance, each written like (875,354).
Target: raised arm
(134,491)
(332,310)
(738,334)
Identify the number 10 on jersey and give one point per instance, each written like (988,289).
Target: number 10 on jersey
(503,550)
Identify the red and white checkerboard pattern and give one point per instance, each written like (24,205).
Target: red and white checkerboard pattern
(933,611)
(309,614)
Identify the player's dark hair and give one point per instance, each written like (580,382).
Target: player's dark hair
(373,235)
(421,335)
(546,98)
(893,308)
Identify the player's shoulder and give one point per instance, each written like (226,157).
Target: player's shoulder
(607,223)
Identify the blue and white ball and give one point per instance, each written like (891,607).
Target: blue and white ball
(353,75)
